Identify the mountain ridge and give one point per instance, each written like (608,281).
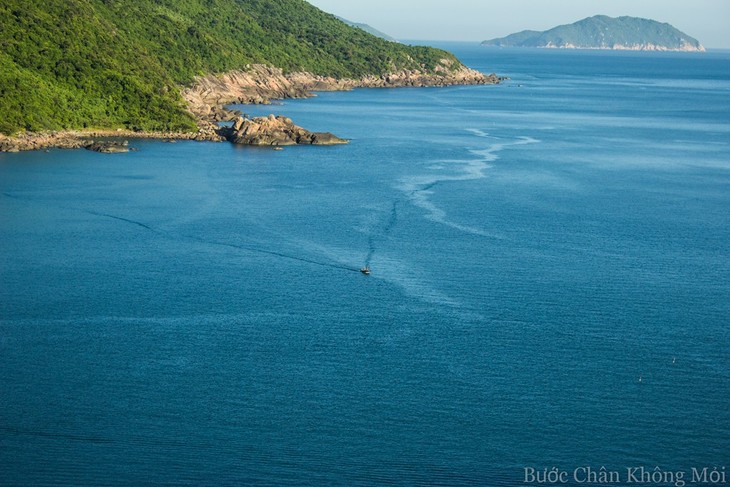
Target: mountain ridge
(368,28)
(603,32)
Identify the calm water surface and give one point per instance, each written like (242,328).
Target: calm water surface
(550,288)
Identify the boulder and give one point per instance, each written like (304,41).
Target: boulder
(108,147)
(277,131)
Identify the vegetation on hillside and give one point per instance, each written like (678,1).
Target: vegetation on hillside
(119,63)
(602,32)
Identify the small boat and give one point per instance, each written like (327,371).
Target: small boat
(278,148)
(365,270)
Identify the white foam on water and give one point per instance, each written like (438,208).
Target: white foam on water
(418,189)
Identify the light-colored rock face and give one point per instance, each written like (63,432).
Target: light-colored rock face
(258,84)
(627,47)
(255,85)
(277,131)
(78,139)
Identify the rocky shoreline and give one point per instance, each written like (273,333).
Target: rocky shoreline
(257,84)
(260,84)
(89,139)
(627,47)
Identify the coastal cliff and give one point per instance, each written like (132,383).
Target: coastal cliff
(259,84)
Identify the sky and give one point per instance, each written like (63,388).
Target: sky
(478,20)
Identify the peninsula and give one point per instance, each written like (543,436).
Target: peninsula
(602,32)
(168,69)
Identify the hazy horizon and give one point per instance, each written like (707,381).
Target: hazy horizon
(478,20)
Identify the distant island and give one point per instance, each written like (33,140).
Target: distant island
(602,32)
(369,29)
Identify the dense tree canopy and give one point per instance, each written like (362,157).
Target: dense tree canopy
(119,63)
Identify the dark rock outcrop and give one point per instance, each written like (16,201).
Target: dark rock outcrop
(277,131)
(109,147)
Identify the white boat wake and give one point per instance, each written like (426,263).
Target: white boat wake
(418,189)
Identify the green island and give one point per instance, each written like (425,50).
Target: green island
(603,32)
(122,64)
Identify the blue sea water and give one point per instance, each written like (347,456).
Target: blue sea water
(550,288)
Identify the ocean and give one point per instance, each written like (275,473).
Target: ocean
(549,295)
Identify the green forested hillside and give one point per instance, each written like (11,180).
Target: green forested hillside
(119,63)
